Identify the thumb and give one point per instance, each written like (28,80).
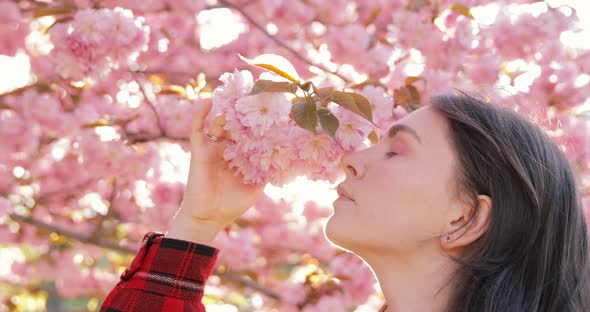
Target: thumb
(201,113)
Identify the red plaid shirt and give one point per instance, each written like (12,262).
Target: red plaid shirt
(166,275)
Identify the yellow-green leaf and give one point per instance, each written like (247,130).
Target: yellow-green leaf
(51,11)
(305,115)
(157,79)
(461,9)
(411,79)
(364,106)
(324,93)
(5,106)
(262,85)
(96,123)
(305,87)
(372,16)
(354,102)
(172,89)
(328,121)
(415,95)
(417,4)
(345,100)
(298,99)
(57,21)
(407,96)
(276,64)
(373,137)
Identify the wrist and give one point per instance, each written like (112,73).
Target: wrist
(194,230)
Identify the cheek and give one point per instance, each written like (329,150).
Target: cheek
(403,201)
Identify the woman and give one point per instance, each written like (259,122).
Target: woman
(461,206)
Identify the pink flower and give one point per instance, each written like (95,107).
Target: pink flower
(484,69)
(293,293)
(276,156)
(189,7)
(348,42)
(237,249)
(235,85)
(12,30)
(332,12)
(285,13)
(97,41)
(176,115)
(381,103)
(167,196)
(260,112)
(329,302)
(6,179)
(463,32)
(353,130)
(378,61)
(413,30)
(46,111)
(5,206)
(357,277)
(318,148)
(312,211)
(9,13)
(91,26)
(17,137)
(127,31)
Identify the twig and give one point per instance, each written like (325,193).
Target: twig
(235,278)
(71,234)
(98,229)
(279,42)
(232,277)
(152,107)
(134,138)
(75,188)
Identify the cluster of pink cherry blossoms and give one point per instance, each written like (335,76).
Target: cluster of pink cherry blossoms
(97,41)
(269,146)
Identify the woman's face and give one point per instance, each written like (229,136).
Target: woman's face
(401,188)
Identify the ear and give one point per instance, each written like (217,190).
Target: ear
(460,231)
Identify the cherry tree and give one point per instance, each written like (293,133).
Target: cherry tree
(95,120)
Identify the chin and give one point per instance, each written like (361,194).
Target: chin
(344,236)
(335,233)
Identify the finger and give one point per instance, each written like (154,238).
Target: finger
(216,128)
(226,135)
(201,113)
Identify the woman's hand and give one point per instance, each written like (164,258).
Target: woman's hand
(214,197)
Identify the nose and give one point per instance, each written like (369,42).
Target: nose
(351,164)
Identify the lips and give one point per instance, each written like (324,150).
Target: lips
(342,192)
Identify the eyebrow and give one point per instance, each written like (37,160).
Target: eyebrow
(401,127)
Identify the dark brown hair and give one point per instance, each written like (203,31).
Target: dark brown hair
(534,255)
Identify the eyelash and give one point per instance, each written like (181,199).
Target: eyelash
(390,154)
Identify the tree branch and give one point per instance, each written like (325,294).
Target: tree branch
(279,42)
(71,234)
(134,138)
(232,277)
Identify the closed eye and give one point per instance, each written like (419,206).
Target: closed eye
(390,154)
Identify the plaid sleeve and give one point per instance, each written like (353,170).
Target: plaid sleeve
(165,275)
